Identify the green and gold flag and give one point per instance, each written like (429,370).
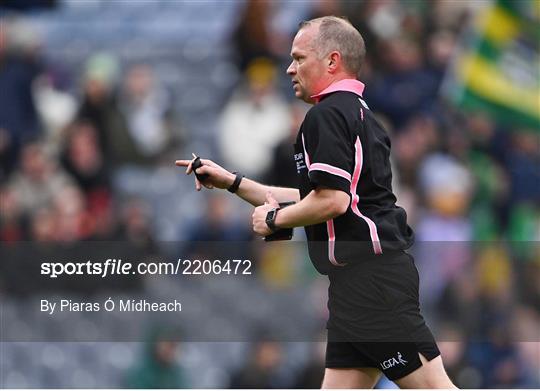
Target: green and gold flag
(497,68)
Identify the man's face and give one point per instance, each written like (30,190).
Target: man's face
(307,71)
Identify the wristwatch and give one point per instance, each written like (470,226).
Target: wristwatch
(271,219)
(236,183)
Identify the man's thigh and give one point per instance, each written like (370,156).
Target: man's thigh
(430,375)
(348,367)
(350,378)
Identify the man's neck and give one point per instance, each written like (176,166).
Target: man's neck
(338,77)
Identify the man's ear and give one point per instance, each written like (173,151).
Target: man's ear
(334,61)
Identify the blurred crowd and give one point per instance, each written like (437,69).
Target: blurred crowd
(59,150)
(467,182)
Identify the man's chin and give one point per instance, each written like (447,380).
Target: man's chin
(303,97)
(299,94)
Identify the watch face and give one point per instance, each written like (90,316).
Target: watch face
(271,215)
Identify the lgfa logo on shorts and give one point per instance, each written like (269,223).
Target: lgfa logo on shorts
(393,361)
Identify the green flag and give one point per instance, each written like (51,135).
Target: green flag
(497,68)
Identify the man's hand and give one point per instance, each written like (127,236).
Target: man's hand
(259,215)
(217,175)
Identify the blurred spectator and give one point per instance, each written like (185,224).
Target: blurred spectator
(56,107)
(311,376)
(218,224)
(323,8)
(147,108)
(254,121)
(447,186)
(159,366)
(416,140)
(135,225)
(443,231)
(460,304)
(282,172)
(440,47)
(525,336)
(73,221)
(406,87)
(383,17)
(83,159)
(252,37)
(360,15)
(20,65)
(100,108)
(498,362)
(523,162)
(207,237)
(39,180)
(489,205)
(11,219)
(451,15)
(262,368)
(43,227)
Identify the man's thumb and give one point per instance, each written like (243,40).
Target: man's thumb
(271,200)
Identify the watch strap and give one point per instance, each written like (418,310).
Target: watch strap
(271,221)
(236,184)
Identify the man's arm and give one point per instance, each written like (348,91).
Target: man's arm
(249,190)
(319,206)
(255,193)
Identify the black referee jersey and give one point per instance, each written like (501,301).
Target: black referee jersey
(340,145)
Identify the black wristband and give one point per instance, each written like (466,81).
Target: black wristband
(236,184)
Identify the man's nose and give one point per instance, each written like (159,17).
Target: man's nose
(291,70)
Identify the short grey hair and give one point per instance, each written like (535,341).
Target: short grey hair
(337,33)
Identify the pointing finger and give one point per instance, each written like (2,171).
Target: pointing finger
(182,163)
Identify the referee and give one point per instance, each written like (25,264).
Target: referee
(356,233)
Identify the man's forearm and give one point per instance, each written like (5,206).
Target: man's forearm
(255,193)
(317,207)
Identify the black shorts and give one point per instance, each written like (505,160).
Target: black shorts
(375,318)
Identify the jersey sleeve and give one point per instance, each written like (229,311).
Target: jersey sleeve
(329,153)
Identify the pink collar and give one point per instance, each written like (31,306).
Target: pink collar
(350,85)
